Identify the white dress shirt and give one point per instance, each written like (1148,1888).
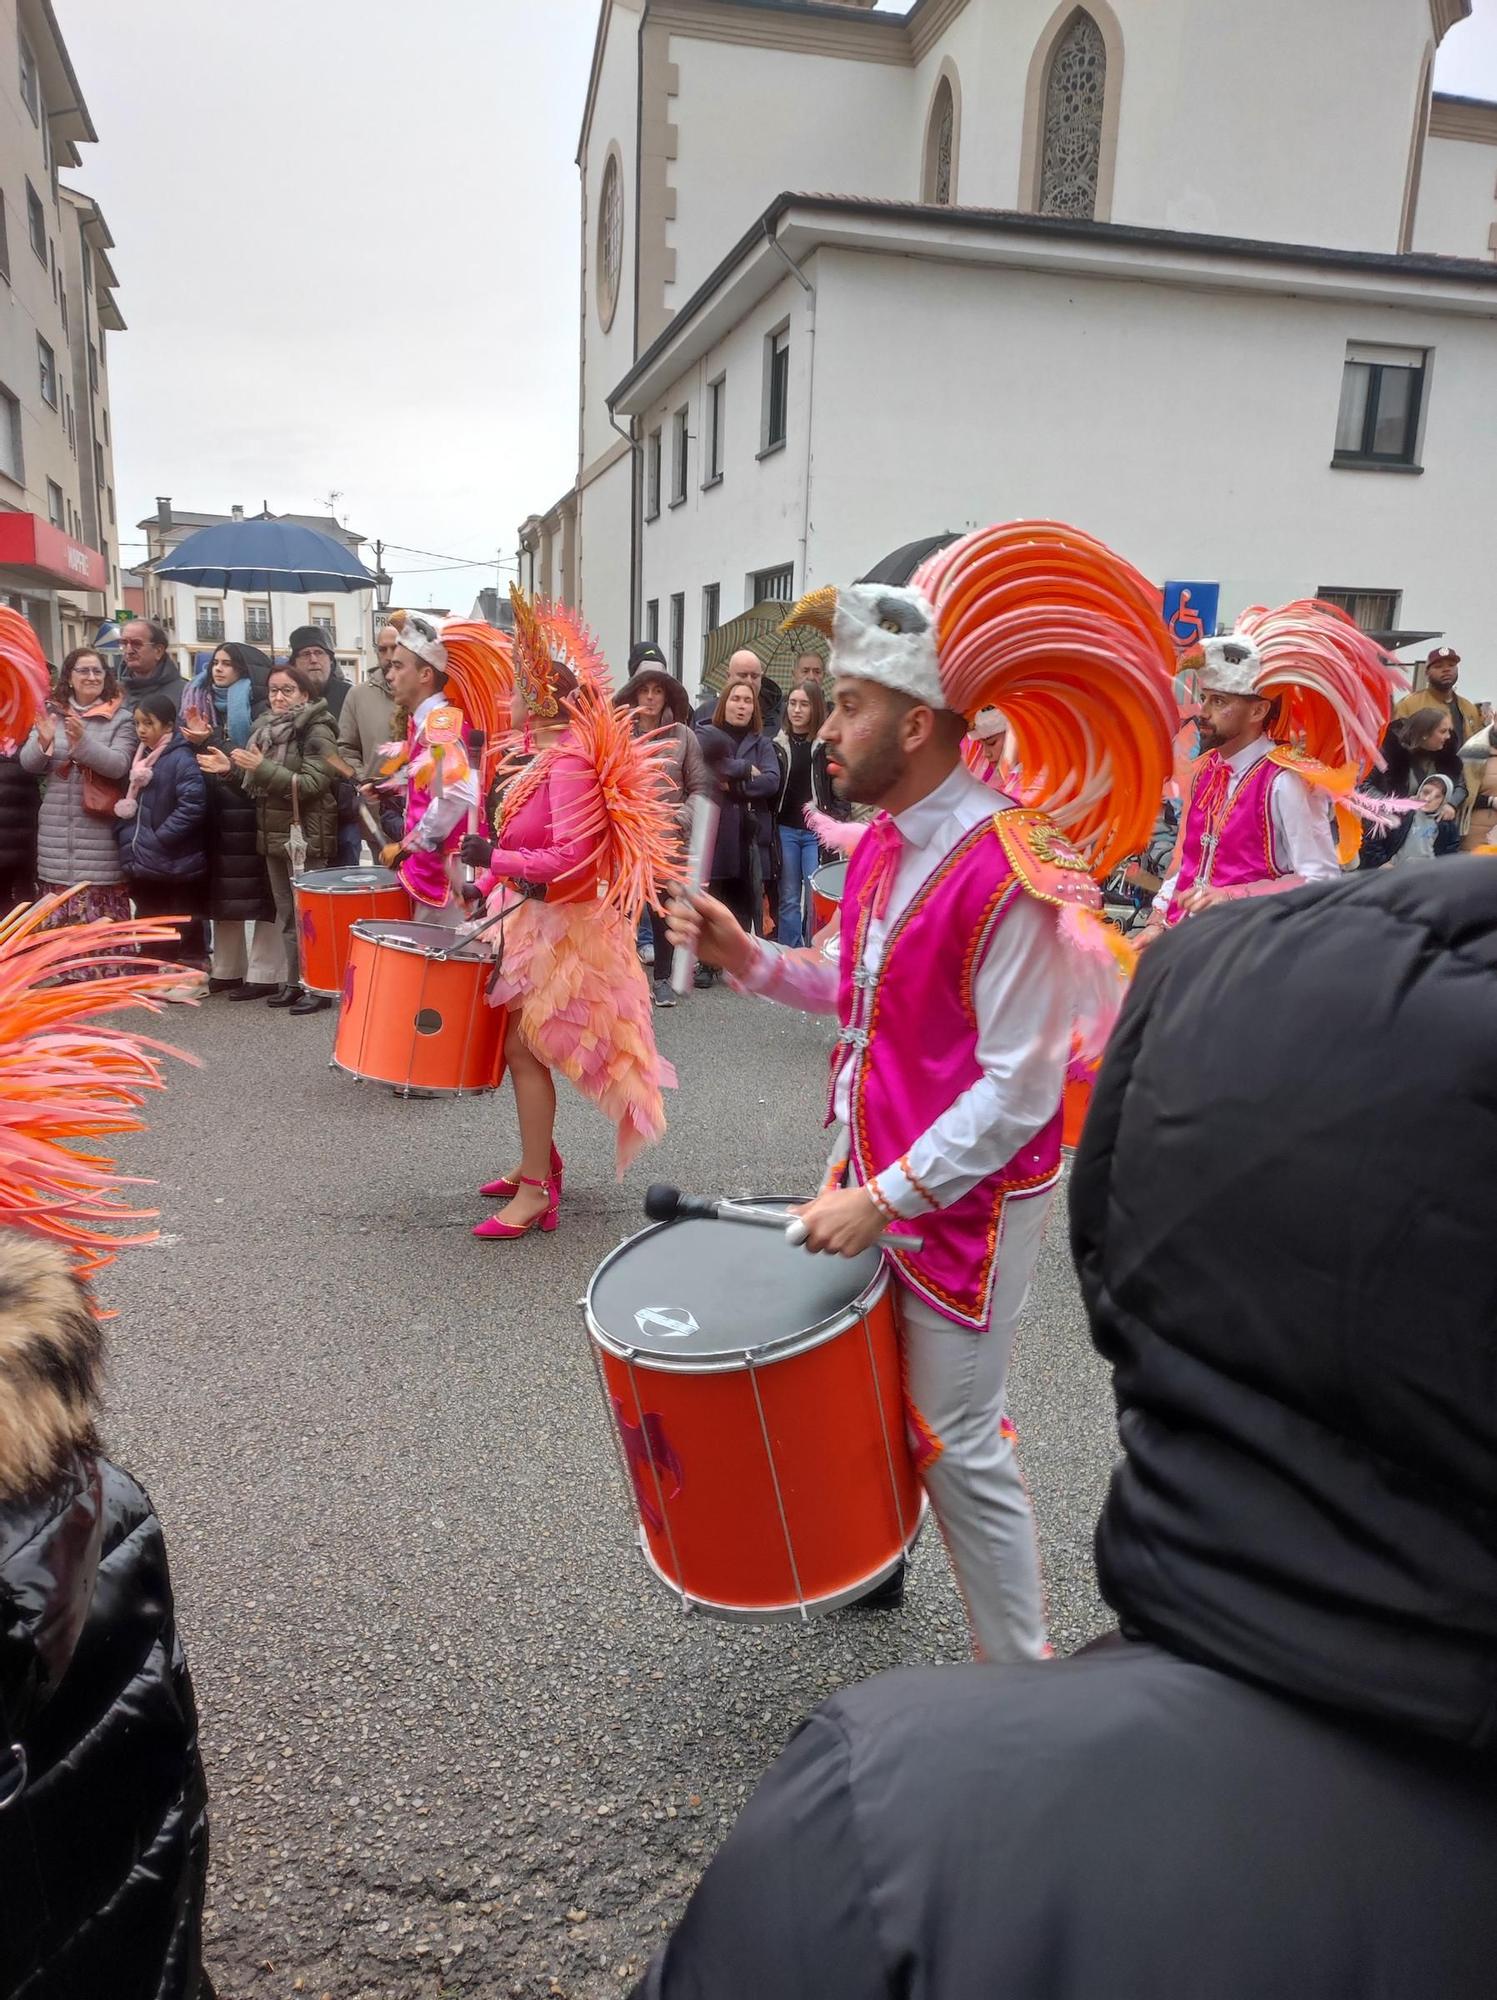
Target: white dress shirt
(1025,993)
(443,814)
(1301,823)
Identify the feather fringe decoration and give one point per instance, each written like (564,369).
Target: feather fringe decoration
(841,836)
(64,1078)
(1335,685)
(23,679)
(1047,624)
(481,670)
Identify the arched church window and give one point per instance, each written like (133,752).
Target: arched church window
(940,146)
(1075,99)
(610,240)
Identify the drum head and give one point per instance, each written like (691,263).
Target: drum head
(696,1295)
(426,940)
(346,881)
(830,881)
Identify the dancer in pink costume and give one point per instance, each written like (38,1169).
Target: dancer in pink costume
(585,838)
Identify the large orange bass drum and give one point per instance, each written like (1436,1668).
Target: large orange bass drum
(415,1014)
(329,902)
(755,1395)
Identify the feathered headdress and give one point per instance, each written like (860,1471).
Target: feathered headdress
(1048,625)
(1335,688)
(548,635)
(23,679)
(64,1077)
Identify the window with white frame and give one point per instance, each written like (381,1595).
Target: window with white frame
(1382,404)
(776,387)
(321,615)
(652,475)
(210,620)
(10,438)
(678,632)
(36,223)
(652,621)
(680,455)
(31,95)
(717,399)
(257,624)
(47,368)
(56,506)
(773,586)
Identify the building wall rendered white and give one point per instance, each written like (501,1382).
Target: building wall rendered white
(753,123)
(607,356)
(1457,199)
(1191,430)
(755,519)
(603,557)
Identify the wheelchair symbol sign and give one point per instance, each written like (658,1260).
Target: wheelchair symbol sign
(1190,612)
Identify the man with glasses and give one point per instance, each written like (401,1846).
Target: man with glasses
(367,724)
(149,666)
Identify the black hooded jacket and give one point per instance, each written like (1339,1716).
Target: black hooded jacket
(1280,1777)
(103,1816)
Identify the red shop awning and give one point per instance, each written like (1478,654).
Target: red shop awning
(29,543)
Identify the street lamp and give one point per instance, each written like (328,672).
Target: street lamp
(384,583)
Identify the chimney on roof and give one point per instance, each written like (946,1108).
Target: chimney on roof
(164,511)
(237,511)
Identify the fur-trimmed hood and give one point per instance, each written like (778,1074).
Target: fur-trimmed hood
(51,1364)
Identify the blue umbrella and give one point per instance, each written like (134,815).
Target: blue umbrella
(264,556)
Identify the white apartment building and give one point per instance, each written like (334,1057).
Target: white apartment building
(1217,283)
(59,544)
(198,620)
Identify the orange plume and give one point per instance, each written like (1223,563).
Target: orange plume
(23,677)
(1047,624)
(64,1079)
(481,674)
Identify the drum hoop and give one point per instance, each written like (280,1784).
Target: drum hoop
(373,931)
(733,1360)
(308,885)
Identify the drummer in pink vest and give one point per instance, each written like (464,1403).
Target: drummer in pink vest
(958,991)
(441,789)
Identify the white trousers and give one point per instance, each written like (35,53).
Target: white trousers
(262,963)
(957,1381)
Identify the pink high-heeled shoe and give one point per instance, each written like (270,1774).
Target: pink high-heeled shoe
(505,1189)
(495,1231)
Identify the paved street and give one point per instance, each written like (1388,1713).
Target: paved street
(458,1741)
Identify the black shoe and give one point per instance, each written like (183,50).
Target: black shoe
(890,1594)
(284,996)
(224,985)
(253,990)
(309,1003)
(703,977)
(665,993)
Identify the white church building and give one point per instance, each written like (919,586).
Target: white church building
(1216,282)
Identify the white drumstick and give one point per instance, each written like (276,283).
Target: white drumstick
(704,817)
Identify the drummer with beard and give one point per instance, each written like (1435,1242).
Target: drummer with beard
(957,997)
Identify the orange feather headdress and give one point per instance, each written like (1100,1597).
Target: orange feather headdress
(23,679)
(1066,638)
(65,1077)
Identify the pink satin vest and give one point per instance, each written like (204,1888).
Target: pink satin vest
(1246,850)
(912,1040)
(426,875)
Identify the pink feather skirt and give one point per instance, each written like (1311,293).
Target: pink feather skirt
(570,974)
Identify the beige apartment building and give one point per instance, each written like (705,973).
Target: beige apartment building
(59,544)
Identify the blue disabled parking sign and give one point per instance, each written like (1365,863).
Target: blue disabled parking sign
(1190,612)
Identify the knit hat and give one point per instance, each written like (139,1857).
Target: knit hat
(647,653)
(311,635)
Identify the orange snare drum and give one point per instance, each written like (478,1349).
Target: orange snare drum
(756,1396)
(414,1013)
(329,903)
(827,885)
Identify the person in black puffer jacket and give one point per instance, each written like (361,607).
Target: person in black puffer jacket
(20,802)
(103,1808)
(218,711)
(1279,1776)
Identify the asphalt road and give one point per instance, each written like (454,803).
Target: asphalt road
(458,1741)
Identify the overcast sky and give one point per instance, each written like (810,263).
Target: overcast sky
(347,247)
